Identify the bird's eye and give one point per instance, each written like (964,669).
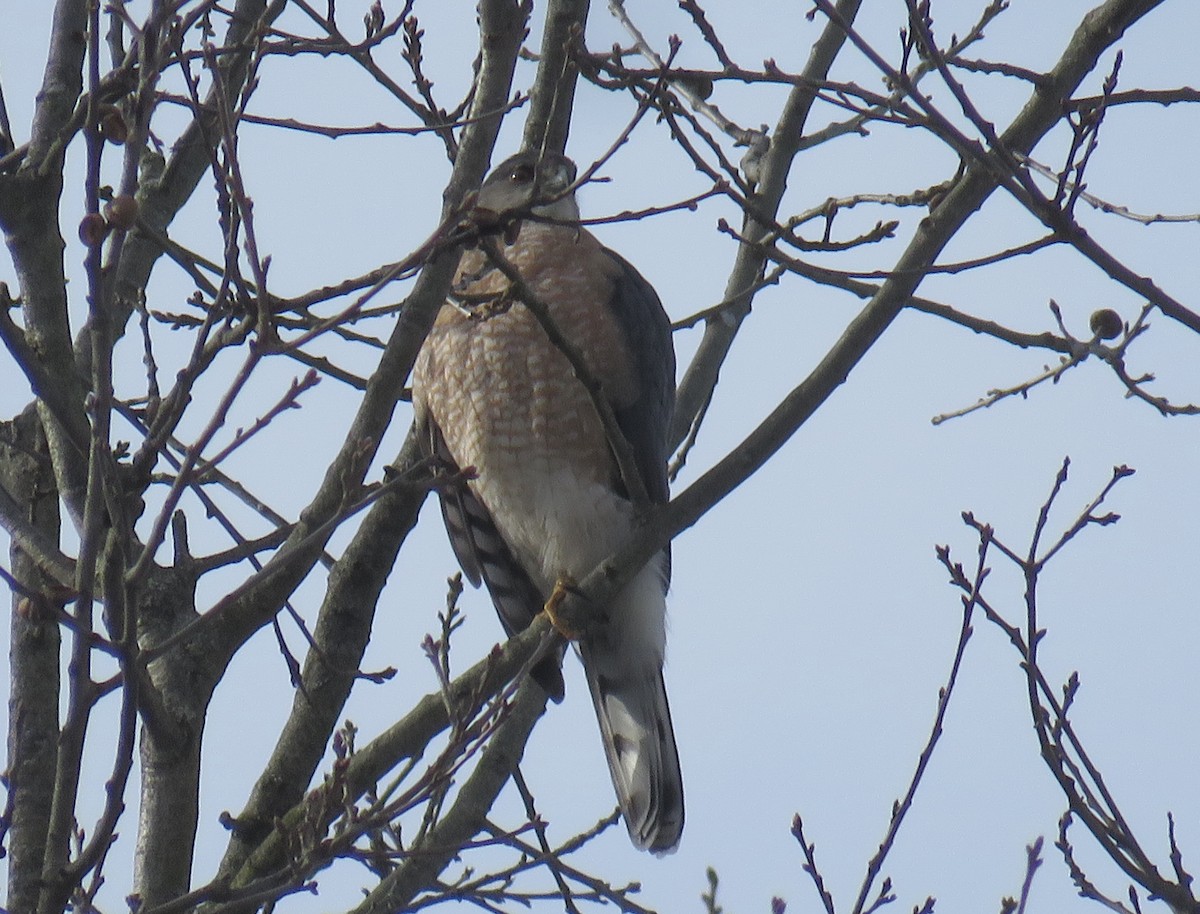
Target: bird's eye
(522,174)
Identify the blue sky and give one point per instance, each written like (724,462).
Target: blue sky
(810,624)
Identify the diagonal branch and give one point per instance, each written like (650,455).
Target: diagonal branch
(409,737)
(1095,34)
(700,379)
(553,94)
(631,478)
(502,27)
(468,816)
(342,631)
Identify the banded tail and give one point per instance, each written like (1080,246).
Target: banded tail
(635,726)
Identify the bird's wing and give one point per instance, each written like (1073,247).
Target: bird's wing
(645,422)
(623,660)
(485,557)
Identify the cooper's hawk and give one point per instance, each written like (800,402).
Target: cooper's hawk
(548,501)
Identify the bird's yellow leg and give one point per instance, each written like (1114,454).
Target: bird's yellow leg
(563,587)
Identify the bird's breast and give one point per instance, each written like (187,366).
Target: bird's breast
(509,404)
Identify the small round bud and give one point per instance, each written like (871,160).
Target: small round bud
(93,228)
(112,125)
(121,212)
(1106,324)
(698,84)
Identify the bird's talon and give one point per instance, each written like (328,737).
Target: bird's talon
(563,587)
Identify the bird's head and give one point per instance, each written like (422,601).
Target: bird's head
(533,182)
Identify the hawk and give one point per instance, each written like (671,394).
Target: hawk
(547,501)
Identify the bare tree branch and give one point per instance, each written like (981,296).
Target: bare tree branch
(695,389)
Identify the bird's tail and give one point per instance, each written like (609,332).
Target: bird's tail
(635,725)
